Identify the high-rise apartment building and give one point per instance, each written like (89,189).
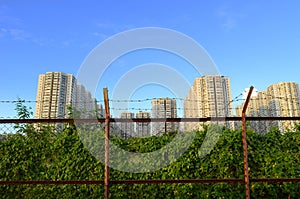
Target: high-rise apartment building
(56,91)
(85,103)
(258,107)
(100,111)
(210,96)
(279,100)
(164,108)
(126,128)
(143,128)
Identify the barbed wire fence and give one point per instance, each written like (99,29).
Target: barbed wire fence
(137,105)
(132,105)
(11,122)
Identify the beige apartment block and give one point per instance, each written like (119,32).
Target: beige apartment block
(284,101)
(143,128)
(164,108)
(279,100)
(85,103)
(210,96)
(258,107)
(55,92)
(126,128)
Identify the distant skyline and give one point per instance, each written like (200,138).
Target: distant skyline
(254,43)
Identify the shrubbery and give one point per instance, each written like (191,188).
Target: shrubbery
(44,155)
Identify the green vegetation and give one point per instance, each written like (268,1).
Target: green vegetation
(43,154)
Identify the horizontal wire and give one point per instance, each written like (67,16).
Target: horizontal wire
(150,99)
(199,109)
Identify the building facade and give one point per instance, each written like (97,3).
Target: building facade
(164,108)
(258,106)
(56,91)
(126,128)
(85,103)
(279,100)
(100,111)
(210,96)
(143,128)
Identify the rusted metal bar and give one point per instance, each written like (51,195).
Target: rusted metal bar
(275,180)
(50,182)
(183,181)
(106,165)
(272,118)
(82,182)
(200,181)
(32,121)
(193,181)
(244,137)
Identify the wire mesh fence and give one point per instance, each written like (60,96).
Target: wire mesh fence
(7,128)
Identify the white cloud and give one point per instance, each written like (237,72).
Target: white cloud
(6,19)
(11,27)
(14,33)
(105,25)
(101,35)
(229,23)
(229,19)
(19,34)
(105,30)
(22,35)
(111,28)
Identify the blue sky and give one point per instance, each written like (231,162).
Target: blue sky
(253,42)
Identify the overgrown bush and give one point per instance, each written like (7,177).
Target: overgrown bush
(42,154)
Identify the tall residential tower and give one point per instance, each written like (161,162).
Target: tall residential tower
(126,128)
(164,108)
(56,91)
(142,128)
(279,100)
(210,96)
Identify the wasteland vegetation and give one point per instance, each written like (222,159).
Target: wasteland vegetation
(45,154)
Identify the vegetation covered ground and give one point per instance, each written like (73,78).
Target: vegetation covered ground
(43,154)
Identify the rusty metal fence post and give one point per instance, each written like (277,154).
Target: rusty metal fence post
(106,165)
(244,138)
